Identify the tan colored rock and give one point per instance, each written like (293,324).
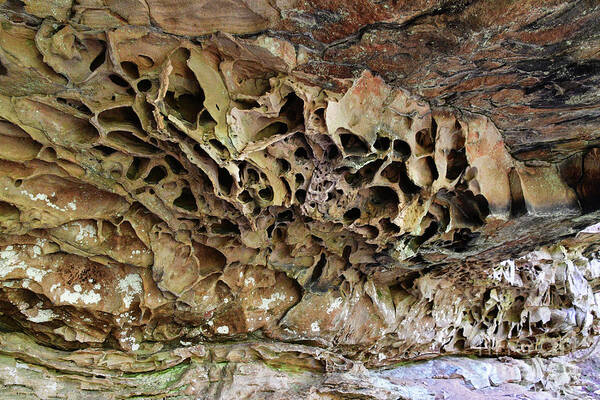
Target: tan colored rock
(192,193)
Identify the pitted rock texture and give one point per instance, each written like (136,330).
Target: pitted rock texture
(165,184)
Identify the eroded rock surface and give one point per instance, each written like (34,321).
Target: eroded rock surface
(178,202)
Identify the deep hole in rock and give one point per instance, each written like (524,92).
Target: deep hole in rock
(371,231)
(106,151)
(351,215)
(245,197)
(482,204)
(220,147)
(317,271)
(270,230)
(571,170)
(517,205)
(99,60)
(136,168)
(144,85)
(353,180)
(77,104)
(432,167)
(186,200)
(288,189)
(398,171)
(156,174)
(425,140)
(457,162)
(462,238)
(9,212)
(301,155)
(226,227)
(127,141)
(383,197)
(120,115)
(175,165)
(284,165)
(346,252)
(353,144)
(429,232)
(367,173)
(402,149)
(188,105)
(434,129)
(320,114)
(118,80)
(382,143)
(588,190)
(276,128)
(131,69)
(393,171)
(251,176)
(225,181)
(332,152)
(266,193)
(388,226)
(300,196)
(293,109)
(287,215)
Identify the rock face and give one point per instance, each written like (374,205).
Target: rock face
(215,199)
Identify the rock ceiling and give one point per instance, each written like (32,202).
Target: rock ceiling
(168,192)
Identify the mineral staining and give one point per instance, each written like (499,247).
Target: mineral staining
(156,191)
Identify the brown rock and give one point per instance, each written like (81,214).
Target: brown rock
(276,196)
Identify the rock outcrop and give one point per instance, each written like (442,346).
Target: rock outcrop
(211,199)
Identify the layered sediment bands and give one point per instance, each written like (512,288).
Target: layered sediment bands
(173,199)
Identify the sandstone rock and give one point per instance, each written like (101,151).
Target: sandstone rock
(208,199)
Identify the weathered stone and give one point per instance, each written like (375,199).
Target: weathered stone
(194,192)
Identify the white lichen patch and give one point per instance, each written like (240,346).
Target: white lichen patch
(315,327)
(223,330)
(335,304)
(44,198)
(131,341)
(43,316)
(37,251)
(10,261)
(90,297)
(266,303)
(86,231)
(129,287)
